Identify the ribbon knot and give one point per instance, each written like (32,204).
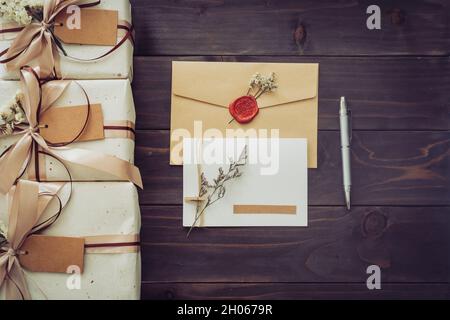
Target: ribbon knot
(24,219)
(45,26)
(10,252)
(34,129)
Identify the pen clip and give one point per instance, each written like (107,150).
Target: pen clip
(350,123)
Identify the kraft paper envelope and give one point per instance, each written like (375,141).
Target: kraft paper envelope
(202,92)
(272,190)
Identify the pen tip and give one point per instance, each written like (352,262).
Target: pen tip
(347,200)
(343,106)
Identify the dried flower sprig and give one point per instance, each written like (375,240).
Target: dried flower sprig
(12,114)
(3,232)
(216,190)
(21,11)
(262,84)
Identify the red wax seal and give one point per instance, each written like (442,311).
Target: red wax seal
(244,109)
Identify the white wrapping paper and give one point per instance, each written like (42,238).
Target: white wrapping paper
(116,99)
(100,208)
(118,64)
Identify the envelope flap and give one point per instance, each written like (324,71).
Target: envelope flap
(219,83)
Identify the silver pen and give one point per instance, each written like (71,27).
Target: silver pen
(345,149)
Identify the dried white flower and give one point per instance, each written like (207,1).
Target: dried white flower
(262,84)
(12,114)
(3,230)
(16,10)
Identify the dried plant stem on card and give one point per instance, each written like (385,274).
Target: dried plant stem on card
(216,191)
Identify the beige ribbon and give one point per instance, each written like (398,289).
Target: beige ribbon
(119,129)
(36,41)
(38,98)
(121,243)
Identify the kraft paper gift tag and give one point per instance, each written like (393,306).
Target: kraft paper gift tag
(202,92)
(97,27)
(52,254)
(272,190)
(63,124)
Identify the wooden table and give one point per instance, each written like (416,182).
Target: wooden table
(397,81)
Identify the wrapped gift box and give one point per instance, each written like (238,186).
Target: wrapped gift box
(115,97)
(95,209)
(118,64)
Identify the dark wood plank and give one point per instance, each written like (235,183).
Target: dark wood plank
(389,168)
(411,244)
(384,93)
(290,291)
(290,27)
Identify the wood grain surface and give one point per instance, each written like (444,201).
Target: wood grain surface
(411,245)
(397,83)
(384,93)
(281,291)
(290,27)
(388,168)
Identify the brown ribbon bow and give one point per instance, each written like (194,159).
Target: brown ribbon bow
(27,215)
(37,41)
(25,212)
(38,98)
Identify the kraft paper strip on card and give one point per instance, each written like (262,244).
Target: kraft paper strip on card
(264,209)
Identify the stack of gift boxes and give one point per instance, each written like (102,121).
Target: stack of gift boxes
(69,211)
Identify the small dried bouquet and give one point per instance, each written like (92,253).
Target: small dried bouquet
(213,192)
(261,84)
(22,12)
(3,231)
(12,114)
